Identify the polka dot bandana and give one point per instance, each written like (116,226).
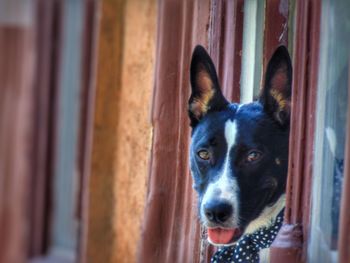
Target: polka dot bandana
(248,246)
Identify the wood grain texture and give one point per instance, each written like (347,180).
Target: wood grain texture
(101,238)
(122,129)
(225,44)
(171,232)
(276,27)
(170,229)
(134,131)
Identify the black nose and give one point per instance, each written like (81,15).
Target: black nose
(218,211)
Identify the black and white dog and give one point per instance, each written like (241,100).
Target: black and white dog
(239,157)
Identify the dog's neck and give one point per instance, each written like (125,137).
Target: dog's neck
(267,216)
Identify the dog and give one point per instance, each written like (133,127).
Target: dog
(239,155)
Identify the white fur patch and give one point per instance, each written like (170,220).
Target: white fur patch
(230,134)
(226,184)
(267,216)
(264,255)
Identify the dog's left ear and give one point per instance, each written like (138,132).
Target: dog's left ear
(276,94)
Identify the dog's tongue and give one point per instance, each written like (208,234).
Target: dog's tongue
(221,236)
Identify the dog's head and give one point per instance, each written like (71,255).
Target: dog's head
(239,152)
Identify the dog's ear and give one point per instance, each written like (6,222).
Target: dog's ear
(276,93)
(206,94)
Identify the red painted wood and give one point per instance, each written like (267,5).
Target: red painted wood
(306,54)
(46,73)
(170,228)
(171,199)
(313,27)
(276,27)
(225,44)
(16,130)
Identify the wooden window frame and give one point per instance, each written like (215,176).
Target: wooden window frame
(289,246)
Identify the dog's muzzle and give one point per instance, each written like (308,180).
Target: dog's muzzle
(218,211)
(219,220)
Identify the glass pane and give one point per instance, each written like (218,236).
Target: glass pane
(330,129)
(335,115)
(65,226)
(253,29)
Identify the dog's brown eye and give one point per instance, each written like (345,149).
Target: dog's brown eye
(253,156)
(204,154)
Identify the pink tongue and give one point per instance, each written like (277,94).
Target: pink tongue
(221,236)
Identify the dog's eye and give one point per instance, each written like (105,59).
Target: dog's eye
(253,156)
(203,154)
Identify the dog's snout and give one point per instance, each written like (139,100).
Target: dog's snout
(218,211)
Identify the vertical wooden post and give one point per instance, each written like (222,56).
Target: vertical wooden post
(225,44)
(16,105)
(276,27)
(170,232)
(100,236)
(91,12)
(47,46)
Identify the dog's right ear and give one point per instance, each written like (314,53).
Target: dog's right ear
(206,94)
(276,94)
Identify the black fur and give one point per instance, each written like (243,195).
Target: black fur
(263,126)
(201,61)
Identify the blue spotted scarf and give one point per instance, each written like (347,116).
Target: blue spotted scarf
(248,247)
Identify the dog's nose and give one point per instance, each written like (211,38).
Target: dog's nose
(218,211)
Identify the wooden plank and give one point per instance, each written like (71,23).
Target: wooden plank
(170,229)
(101,235)
(16,105)
(225,44)
(46,74)
(122,130)
(134,130)
(276,27)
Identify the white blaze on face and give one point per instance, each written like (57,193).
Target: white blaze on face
(226,184)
